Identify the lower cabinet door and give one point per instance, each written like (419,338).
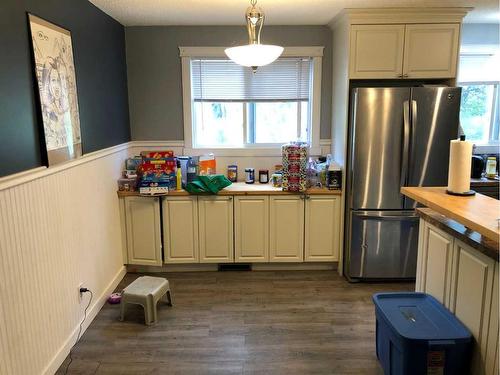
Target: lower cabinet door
(493,331)
(436,266)
(180,229)
(322,228)
(251,229)
(216,229)
(472,289)
(286,230)
(142,219)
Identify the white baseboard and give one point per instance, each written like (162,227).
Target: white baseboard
(99,302)
(319,266)
(315,266)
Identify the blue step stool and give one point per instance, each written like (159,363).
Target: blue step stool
(417,335)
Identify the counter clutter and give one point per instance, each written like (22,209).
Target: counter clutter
(160,172)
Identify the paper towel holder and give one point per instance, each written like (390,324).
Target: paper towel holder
(466,193)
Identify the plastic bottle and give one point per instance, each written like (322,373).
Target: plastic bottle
(191,170)
(178,176)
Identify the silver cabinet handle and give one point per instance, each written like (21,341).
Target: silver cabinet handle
(405,75)
(399,76)
(230,198)
(308,197)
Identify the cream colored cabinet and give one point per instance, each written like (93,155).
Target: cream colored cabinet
(143,232)
(436,248)
(471,297)
(376,51)
(180,229)
(322,228)
(251,229)
(491,362)
(404,51)
(215,218)
(431,50)
(286,229)
(466,282)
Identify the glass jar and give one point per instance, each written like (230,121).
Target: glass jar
(249,175)
(263,176)
(491,167)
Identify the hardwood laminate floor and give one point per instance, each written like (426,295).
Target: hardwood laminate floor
(286,322)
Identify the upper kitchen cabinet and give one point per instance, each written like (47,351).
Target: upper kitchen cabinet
(400,43)
(431,50)
(404,51)
(376,51)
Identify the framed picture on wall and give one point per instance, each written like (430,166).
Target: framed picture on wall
(54,66)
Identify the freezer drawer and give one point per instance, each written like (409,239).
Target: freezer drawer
(383,244)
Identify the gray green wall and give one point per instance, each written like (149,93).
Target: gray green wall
(154,70)
(480,33)
(99,53)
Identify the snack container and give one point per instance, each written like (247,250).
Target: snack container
(131,164)
(207,165)
(232,173)
(294,157)
(157,154)
(127,184)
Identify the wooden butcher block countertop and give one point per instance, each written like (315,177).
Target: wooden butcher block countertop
(241,188)
(478,212)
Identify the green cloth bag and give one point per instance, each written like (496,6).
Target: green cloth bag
(211,184)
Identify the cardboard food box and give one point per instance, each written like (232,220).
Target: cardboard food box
(157,154)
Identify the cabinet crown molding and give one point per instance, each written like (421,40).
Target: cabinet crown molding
(364,16)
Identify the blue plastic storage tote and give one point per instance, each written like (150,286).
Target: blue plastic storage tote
(416,335)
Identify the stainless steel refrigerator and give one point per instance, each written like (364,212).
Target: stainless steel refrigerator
(398,136)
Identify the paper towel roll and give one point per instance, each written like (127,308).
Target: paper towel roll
(459,167)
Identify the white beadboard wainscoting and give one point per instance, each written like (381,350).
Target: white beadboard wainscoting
(59,227)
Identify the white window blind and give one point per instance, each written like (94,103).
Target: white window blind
(479,68)
(217,80)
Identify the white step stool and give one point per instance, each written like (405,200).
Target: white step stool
(146,291)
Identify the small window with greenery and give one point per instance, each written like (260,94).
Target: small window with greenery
(229,106)
(479,111)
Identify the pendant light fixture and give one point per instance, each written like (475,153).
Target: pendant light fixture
(254,54)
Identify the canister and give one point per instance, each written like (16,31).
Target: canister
(276,179)
(263,176)
(232,173)
(249,175)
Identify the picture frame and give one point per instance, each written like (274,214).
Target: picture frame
(54,71)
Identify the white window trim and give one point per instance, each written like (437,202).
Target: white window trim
(492,146)
(188,53)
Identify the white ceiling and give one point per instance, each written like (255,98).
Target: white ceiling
(278,12)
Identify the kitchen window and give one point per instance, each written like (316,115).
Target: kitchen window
(226,106)
(480,105)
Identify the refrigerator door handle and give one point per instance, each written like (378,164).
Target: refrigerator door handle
(406,143)
(386,217)
(413,124)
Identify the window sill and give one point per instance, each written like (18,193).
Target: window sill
(244,151)
(486,148)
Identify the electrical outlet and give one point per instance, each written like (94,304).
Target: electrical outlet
(80,294)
